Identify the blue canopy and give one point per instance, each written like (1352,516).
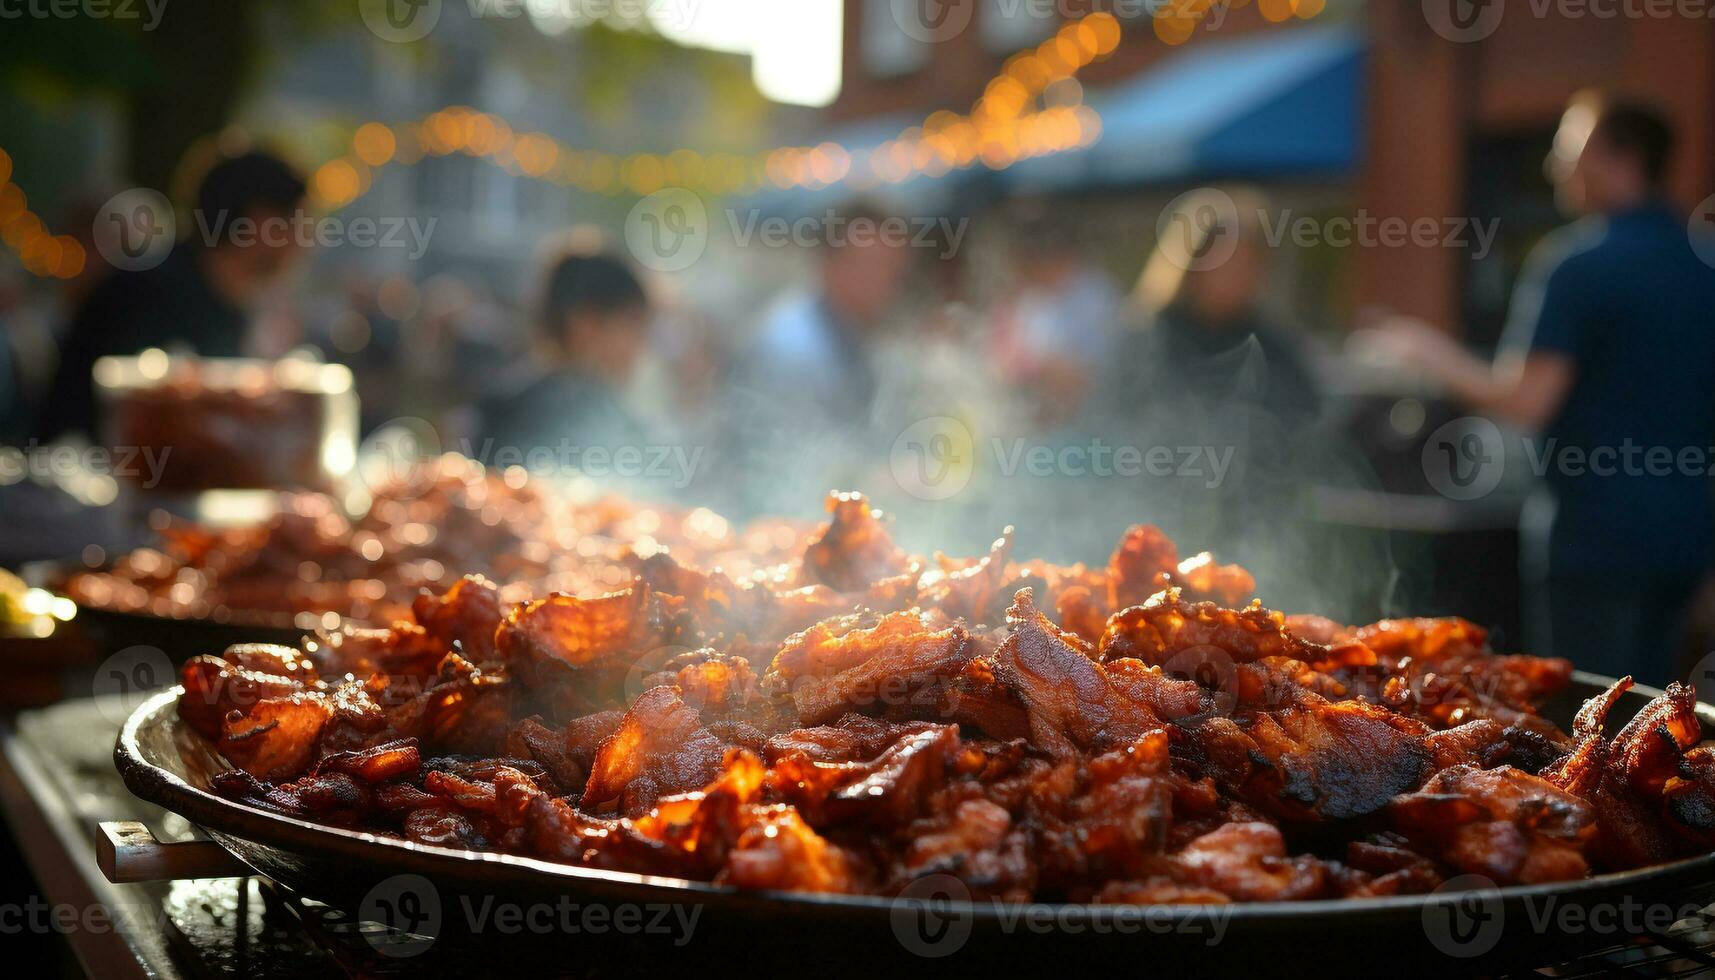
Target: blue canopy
(1285,101)
(1280,102)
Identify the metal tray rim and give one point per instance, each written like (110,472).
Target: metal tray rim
(222,816)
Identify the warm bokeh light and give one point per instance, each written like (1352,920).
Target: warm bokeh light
(1032,107)
(336,182)
(374,144)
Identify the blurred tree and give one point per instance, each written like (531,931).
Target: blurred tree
(175,78)
(184,77)
(198,57)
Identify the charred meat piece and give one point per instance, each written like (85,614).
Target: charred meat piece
(1507,825)
(968,592)
(1072,702)
(1166,626)
(466,615)
(1247,862)
(1142,565)
(661,747)
(214,687)
(859,718)
(885,791)
(1202,578)
(853,549)
(1316,761)
(840,666)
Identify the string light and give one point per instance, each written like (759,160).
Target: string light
(40,252)
(1010,121)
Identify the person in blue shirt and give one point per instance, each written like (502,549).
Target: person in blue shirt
(593,329)
(802,394)
(810,361)
(1607,360)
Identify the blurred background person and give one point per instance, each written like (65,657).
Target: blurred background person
(810,364)
(1608,344)
(801,393)
(593,328)
(201,296)
(1053,329)
(1200,331)
(1202,363)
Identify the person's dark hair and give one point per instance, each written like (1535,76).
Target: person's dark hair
(581,282)
(857,211)
(248,182)
(1634,127)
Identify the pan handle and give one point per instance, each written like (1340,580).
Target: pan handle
(128,852)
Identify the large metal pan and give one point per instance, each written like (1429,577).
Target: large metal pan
(442,892)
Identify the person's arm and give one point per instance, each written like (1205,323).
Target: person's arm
(1556,311)
(1525,388)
